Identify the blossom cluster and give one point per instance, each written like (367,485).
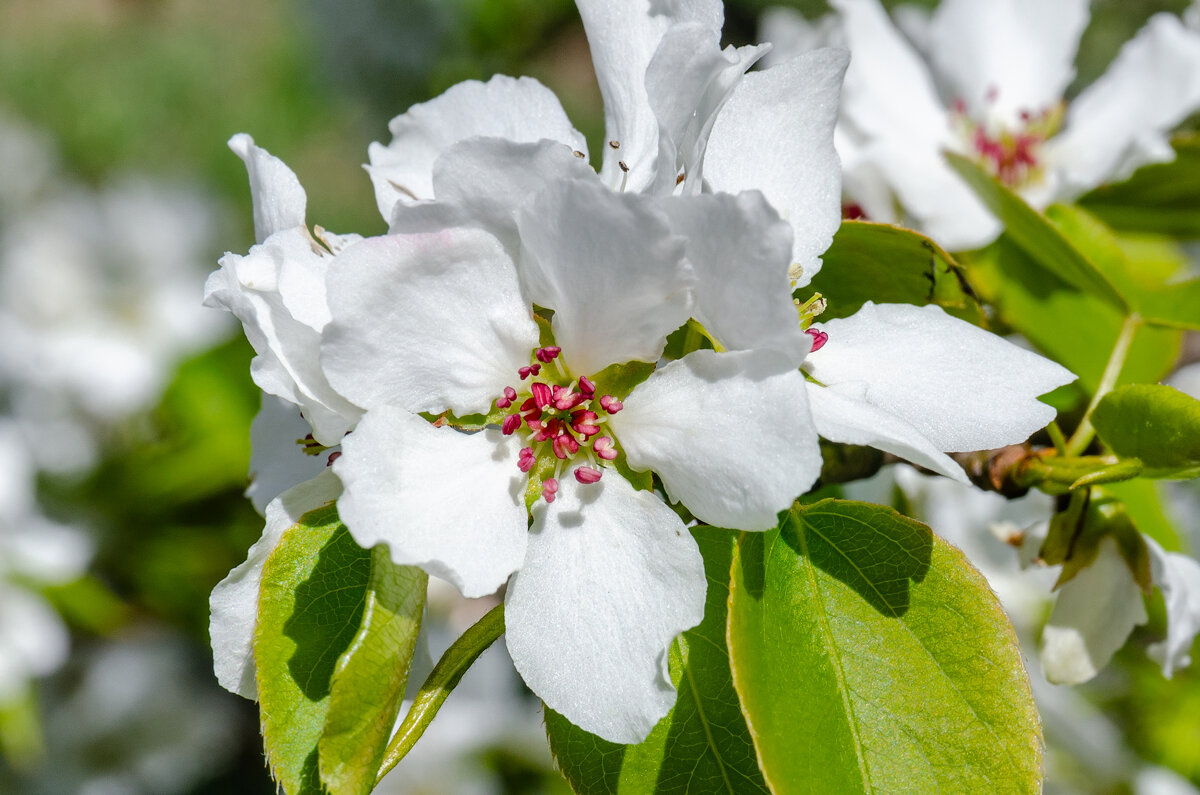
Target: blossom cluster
(488,388)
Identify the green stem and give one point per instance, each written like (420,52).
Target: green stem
(1116,360)
(444,678)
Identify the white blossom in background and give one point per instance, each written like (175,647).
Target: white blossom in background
(987,78)
(34,552)
(97,300)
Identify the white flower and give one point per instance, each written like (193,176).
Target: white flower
(990,84)
(680,118)
(277,290)
(607,575)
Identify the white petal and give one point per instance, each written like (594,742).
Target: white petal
(1121,121)
(484,181)
(889,93)
(843,414)
(688,81)
(520,109)
(279,201)
(610,578)
(1094,614)
(623,36)
(233,604)
(775,134)
(426,322)
(1178,577)
(277,462)
(729,434)
(288,347)
(740,250)
(790,33)
(33,640)
(447,501)
(611,270)
(1005,56)
(959,386)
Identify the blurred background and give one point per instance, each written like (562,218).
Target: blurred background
(125,406)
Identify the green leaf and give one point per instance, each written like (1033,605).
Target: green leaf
(887,264)
(316,587)
(1176,305)
(703,744)
(1076,329)
(1048,247)
(870,656)
(370,677)
(1158,424)
(1162,197)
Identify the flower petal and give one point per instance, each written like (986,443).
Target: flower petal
(33,640)
(688,81)
(1094,614)
(740,250)
(1002,57)
(233,604)
(277,462)
(959,386)
(775,134)
(484,181)
(1120,122)
(426,322)
(447,501)
(611,270)
(611,577)
(279,201)
(520,109)
(842,414)
(729,434)
(1178,577)
(288,347)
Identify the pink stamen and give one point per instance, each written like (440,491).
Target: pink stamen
(505,400)
(542,395)
(564,446)
(587,474)
(603,447)
(532,369)
(547,354)
(566,399)
(511,423)
(611,404)
(819,339)
(334,456)
(583,422)
(587,387)
(549,489)
(525,459)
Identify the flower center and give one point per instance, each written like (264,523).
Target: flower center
(560,420)
(1010,153)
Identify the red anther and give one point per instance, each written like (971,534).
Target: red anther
(525,459)
(960,106)
(547,354)
(549,489)
(819,339)
(565,399)
(541,394)
(587,474)
(532,369)
(564,446)
(587,387)
(583,422)
(334,456)
(511,423)
(544,431)
(603,447)
(853,212)
(611,404)
(510,393)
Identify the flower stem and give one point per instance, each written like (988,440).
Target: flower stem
(444,678)
(1116,361)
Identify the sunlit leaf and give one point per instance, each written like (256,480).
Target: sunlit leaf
(1158,424)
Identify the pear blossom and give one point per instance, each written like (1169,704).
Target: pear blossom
(987,79)
(440,326)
